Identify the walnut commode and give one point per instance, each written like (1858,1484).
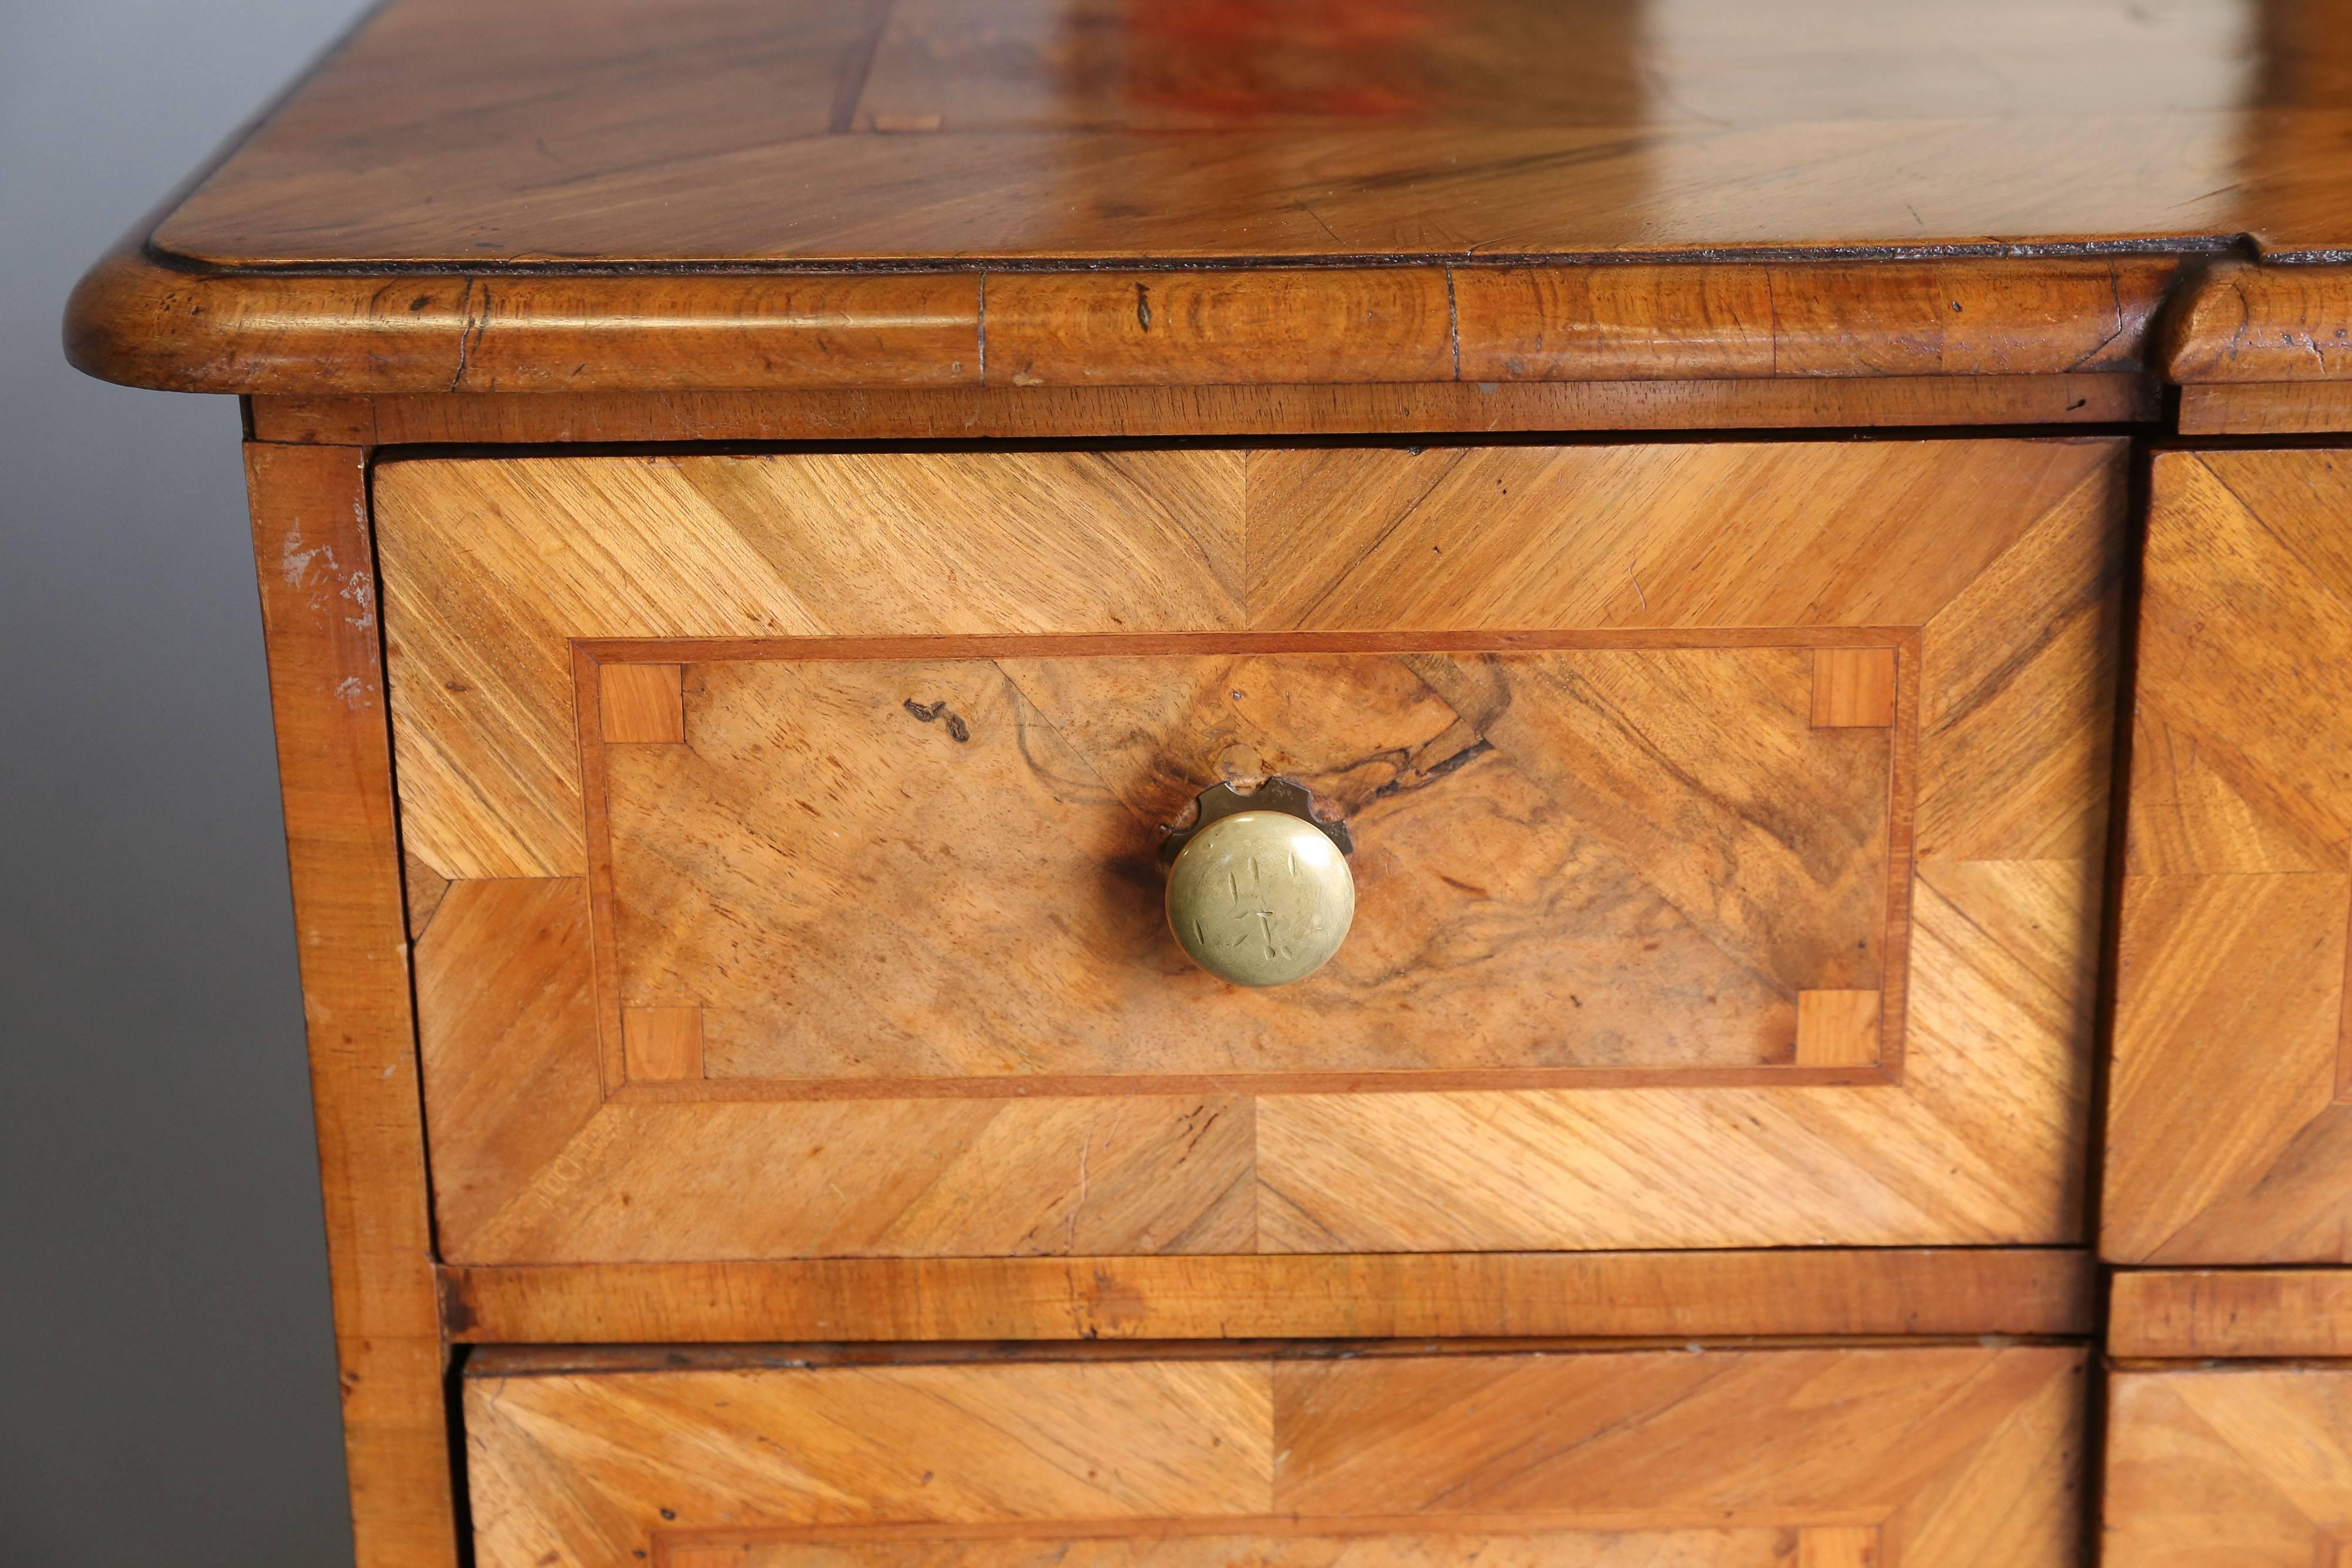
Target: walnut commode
(1156,785)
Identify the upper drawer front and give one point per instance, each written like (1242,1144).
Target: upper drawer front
(1727,823)
(1962,1457)
(2229,1135)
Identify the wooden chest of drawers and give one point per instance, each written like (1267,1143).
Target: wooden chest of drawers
(1789,581)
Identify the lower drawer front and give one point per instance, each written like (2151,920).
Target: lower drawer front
(1298,1459)
(2234,1466)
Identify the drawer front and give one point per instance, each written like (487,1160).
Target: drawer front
(1715,1458)
(2230,1136)
(2228,1468)
(783,831)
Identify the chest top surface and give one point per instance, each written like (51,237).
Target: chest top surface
(706,131)
(659,145)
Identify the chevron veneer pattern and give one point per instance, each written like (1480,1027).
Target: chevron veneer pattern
(1627,593)
(1850,1457)
(2229,1140)
(2235,1467)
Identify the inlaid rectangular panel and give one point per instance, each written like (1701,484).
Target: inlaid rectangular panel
(2230,1134)
(2229,1466)
(1633,861)
(1729,825)
(1303,1458)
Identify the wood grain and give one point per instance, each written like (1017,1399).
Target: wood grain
(2196,1314)
(312,537)
(756,547)
(2265,408)
(1993,566)
(1592,1295)
(1957,317)
(1152,329)
(1948,1454)
(2269,324)
(132,321)
(513,1054)
(1465,537)
(1282,1544)
(1837,1028)
(424,889)
(2226,1140)
(1540,838)
(2078,327)
(1051,64)
(729,1180)
(1854,687)
(1132,411)
(324,421)
(1541,134)
(662,1043)
(641,703)
(2224,1467)
(704,195)
(1563,190)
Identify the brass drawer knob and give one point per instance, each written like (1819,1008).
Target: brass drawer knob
(1258,888)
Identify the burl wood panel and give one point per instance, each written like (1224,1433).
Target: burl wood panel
(2229,1140)
(312,539)
(1715,1458)
(1633,858)
(1991,567)
(2228,1468)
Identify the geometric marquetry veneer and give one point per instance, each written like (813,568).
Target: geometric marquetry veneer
(1728,875)
(2230,1134)
(1955,1455)
(769,511)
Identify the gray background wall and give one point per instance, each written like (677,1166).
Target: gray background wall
(167,1384)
